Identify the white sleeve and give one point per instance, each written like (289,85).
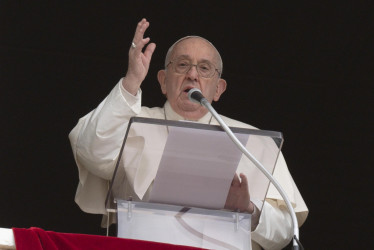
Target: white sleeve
(100,133)
(274,230)
(96,141)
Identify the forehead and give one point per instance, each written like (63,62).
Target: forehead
(195,48)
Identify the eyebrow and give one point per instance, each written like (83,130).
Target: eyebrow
(189,58)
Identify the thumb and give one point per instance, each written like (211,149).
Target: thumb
(244,183)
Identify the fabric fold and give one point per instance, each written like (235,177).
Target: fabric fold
(38,239)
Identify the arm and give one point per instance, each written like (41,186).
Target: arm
(271,228)
(97,137)
(274,230)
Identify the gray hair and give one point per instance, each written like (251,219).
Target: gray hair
(168,54)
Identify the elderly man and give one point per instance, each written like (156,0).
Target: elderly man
(191,62)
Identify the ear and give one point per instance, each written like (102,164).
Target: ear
(221,87)
(161,75)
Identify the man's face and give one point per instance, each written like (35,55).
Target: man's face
(175,85)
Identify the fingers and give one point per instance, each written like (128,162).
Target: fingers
(139,62)
(235,181)
(140,30)
(149,51)
(139,39)
(238,197)
(244,183)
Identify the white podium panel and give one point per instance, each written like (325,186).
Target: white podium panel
(197,227)
(149,171)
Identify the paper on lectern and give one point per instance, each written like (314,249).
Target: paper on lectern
(196,168)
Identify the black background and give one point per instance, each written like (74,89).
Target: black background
(304,69)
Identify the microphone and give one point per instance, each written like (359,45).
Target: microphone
(196,96)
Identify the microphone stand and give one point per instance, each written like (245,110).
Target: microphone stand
(204,102)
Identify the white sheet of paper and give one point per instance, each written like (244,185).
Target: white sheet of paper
(196,168)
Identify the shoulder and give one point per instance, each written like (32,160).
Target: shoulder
(235,123)
(153,112)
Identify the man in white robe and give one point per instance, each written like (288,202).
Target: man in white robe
(192,62)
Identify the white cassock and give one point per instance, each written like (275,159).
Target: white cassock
(96,141)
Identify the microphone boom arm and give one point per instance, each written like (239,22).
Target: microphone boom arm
(204,102)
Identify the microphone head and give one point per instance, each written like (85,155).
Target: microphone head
(195,95)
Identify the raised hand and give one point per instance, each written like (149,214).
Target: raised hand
(139,59)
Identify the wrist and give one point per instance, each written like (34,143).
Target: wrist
(131,85)
(255,217)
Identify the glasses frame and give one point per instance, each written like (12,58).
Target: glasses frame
(198,72)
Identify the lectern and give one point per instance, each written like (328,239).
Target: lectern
(172,178)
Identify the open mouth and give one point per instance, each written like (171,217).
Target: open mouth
(187,89)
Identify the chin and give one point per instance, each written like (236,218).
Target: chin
(190,106)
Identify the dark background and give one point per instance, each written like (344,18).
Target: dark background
(304,69)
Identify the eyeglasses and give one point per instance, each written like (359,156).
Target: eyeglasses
(204,69)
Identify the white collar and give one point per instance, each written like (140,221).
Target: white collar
(170,114)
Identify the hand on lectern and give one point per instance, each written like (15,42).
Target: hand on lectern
(238,197)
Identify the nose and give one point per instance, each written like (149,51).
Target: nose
(192,72)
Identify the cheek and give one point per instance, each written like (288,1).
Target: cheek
(173,86)
(170,89)
(171,92)
(167,87)
(210,92)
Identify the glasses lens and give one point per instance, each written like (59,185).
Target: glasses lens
(205,69)
(182,66)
